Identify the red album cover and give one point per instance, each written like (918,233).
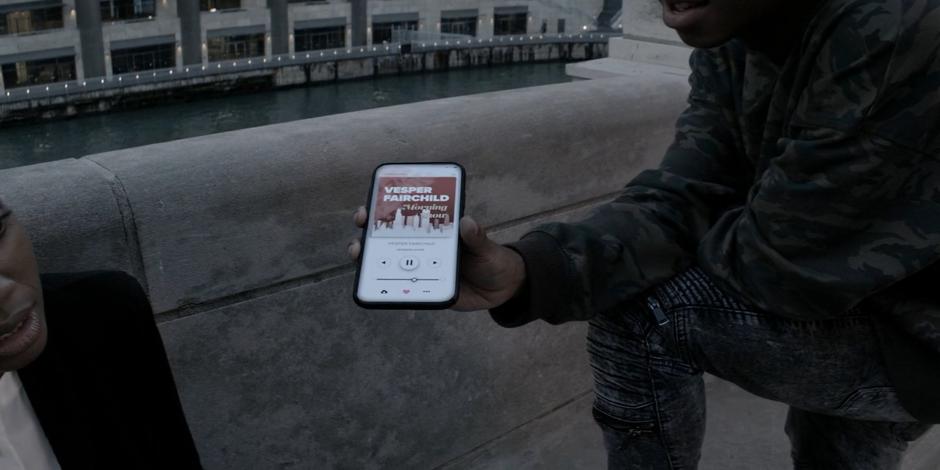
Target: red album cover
(407,206)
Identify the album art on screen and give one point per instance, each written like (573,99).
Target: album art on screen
(414,206)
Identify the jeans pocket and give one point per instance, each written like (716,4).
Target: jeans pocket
(621,425)
(874,404)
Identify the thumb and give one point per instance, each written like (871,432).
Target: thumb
(473,236)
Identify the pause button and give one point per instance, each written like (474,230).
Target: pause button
(408,263)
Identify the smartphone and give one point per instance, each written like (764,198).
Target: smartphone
(410,255)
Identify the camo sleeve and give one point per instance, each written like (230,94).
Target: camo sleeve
(839,208)
(849,205)
(651,231)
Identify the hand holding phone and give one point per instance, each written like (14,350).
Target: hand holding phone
(486,274)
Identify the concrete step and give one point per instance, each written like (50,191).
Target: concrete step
(745,432)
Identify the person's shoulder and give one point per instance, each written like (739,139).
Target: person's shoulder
(881,58)
(847,30)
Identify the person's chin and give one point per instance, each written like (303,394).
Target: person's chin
(703,40)
(701,27)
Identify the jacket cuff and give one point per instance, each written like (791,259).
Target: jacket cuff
(545,288)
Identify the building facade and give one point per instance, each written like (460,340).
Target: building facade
(48,41)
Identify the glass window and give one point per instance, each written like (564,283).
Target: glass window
(382,32)
(561,25)
(311,39)
(515,23)
(466,26)
(161,56)
(236,47)
(27,21)
(213,5)
(34,72)
(117,10)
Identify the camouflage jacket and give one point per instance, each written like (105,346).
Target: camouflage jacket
(808,188)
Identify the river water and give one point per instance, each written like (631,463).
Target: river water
(47,141)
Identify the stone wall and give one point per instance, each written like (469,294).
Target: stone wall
(240,241)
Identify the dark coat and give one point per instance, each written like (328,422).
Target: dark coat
(102,388)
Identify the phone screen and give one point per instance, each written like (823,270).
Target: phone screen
(411,241)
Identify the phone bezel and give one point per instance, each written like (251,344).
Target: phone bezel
(362,241)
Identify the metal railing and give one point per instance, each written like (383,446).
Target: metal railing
(402,36)
(149,77)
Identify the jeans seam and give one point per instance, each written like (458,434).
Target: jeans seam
(656,407)
(681,319)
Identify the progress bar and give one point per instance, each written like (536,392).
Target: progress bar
(412,279)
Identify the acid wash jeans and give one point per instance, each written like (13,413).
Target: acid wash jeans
(648,361)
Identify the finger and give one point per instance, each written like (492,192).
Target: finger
(359,217)
(354,249)
(474,236)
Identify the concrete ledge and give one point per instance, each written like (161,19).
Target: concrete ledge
(611,68)
(77,216)
(667,54)
(220,215)
(629,56)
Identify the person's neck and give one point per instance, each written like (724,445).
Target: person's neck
(781,30)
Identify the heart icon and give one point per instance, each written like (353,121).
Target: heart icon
(406,290)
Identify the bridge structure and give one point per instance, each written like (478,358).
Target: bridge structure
(239,239)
